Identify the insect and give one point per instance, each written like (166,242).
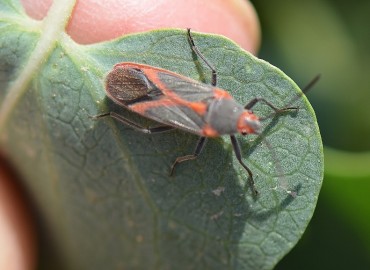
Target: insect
(179,102)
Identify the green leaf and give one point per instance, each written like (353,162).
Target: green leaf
(103,189)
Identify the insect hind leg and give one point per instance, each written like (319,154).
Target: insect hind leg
(197,52)
(198,149)
(132,124)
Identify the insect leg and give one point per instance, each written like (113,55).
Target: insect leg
(197,52)
(133,125)
(198,149)
(254,101)
(277,110)
(239,158)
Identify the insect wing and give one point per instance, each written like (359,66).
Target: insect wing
(184,87)
(163,96)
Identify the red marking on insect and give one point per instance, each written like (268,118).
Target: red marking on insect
(199,107)
(248,123)
(143,108)
(209,131)
(220,94)
(176,101)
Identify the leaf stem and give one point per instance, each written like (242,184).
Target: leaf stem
(52,27)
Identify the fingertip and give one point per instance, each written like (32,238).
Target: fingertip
(251,26)
(17,231)
(96,21)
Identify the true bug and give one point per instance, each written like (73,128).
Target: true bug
(176,101)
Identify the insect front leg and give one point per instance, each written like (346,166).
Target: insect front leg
(308,87)
(239,158)
(198,149)
(254,101)
(133,125)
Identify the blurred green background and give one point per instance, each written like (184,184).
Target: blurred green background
(331,38)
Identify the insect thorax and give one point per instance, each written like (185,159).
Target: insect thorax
(223,115)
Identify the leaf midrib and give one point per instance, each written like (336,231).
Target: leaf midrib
(52,27)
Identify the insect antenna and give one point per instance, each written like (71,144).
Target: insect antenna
(287,107)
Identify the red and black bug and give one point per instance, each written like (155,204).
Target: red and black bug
(176,101)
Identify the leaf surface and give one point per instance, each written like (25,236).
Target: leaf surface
(104,189)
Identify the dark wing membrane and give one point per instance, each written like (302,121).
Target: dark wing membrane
(185,88)
(128,85)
